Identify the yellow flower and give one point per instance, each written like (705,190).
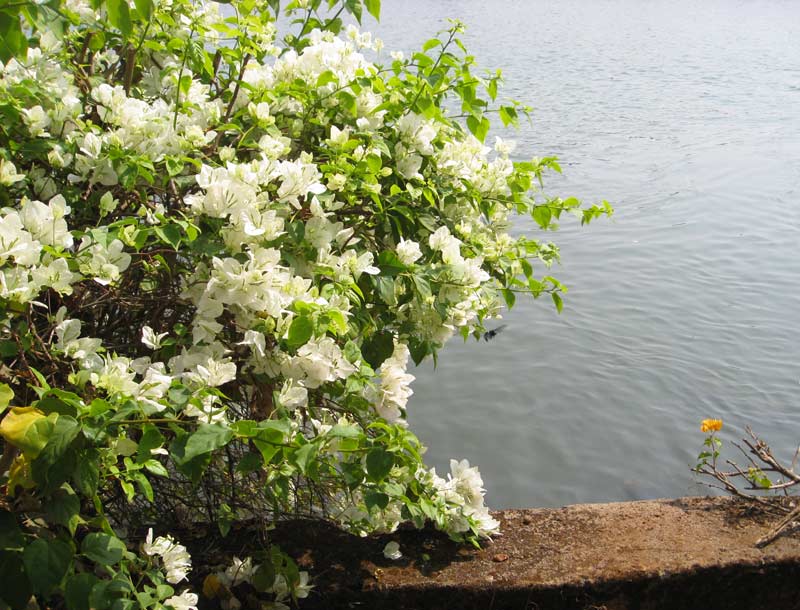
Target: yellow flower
(711,425)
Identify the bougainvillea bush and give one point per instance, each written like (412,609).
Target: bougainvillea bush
(220,248)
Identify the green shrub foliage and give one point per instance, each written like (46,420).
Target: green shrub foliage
(220,247)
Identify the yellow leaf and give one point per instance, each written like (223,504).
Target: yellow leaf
(28,429)
(19,475)
(211,586)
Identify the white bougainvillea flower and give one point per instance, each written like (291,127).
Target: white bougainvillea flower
(302,588)
(175,558)
(466,480)
(238,572)
(37,121)
(185,601)
(408,251)
(47,223)
(395,385)
(298,179)
(8,173)
(16,242)
(152,339)
(104,264)
(215,373)
(293,396)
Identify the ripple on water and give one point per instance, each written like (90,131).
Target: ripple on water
(685,115)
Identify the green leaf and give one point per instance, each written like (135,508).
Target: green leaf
(379,463)
(491,89)
(169,234)
(479,126)
(43,385)
(6,395)
(527,269)
(429,44)
(103,549)
(422,286)
(245,428)
(151,439)
(249,463)
(558,301)
(345,431)
(354,8)
(264,577)
(225,518)
(208,437)
(267,449)
(348,103)
(16,588)
(304,455)
(510,297)
(86,474)
(144,8)
(13,42)
(274,429)
(53,404)
(542,215)
(78,589)
(374,163)
(374,8)
(179,395)
(390,263)
(100,597)
(8,349)
(63,508)
(508,114)
(119,15)
(374,499)
(46,563)
(385,287)
(156,467)
(339,322)
(327,77)
(300,331)
(144,485)
(419,350)
(64,431)
(378,348)
(174,166)
(10,534)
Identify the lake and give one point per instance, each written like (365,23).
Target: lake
(686,304)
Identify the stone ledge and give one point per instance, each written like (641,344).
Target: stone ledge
(663,554)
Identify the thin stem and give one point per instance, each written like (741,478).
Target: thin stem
(180,79)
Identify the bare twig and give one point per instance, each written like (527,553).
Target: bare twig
(780,528)
(750,486)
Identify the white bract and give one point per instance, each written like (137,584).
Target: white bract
(174,557)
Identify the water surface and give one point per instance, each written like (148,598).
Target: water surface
(686,116)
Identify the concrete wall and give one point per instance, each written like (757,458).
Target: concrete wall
(665,554)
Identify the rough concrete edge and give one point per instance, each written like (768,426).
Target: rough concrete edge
(752,581)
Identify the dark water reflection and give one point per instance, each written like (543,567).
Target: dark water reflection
(686,115)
